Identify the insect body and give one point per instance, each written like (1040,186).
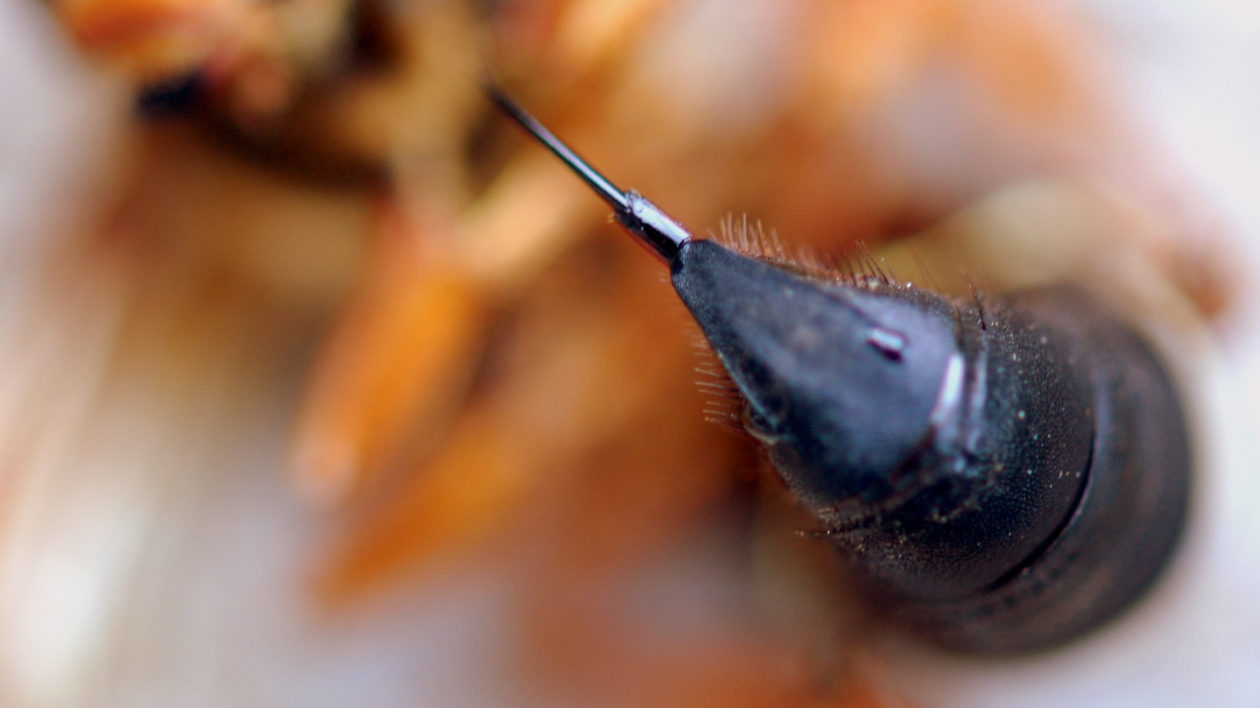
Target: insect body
(1002,475)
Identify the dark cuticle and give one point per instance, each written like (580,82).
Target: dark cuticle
(998,488)
(1004,475)
(757,424)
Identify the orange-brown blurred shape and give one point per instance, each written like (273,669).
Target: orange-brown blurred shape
(155,39)
(505,379)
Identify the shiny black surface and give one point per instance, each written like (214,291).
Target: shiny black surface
(1014,476)
(1002,475)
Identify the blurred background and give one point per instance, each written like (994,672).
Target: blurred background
(322,386)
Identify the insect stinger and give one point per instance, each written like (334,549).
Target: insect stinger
(1004,475)
(646,221)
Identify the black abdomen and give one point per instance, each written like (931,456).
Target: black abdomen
(1131,509)
(1002,475)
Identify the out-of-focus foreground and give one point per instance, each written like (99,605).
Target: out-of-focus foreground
(323,386)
